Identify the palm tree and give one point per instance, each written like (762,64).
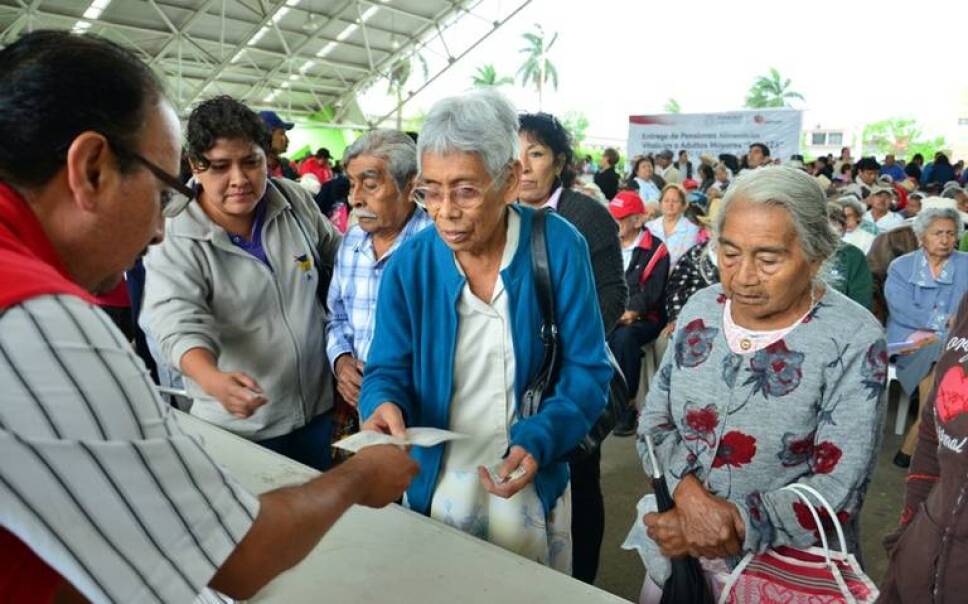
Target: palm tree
(537,69)
(771,91)
(486,76)
(672,106)
(398,77)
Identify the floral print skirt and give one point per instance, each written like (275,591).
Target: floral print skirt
(517,524)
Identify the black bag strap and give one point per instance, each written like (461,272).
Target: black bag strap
(546,303)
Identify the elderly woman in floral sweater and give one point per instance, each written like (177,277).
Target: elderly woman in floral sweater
(762,387)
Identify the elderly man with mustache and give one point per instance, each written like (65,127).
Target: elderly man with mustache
(381,166)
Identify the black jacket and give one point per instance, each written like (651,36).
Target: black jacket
(600,231)
(607,181)
(646,277)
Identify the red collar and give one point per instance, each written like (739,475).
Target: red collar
(29,264)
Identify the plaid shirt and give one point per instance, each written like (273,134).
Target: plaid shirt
(353,290)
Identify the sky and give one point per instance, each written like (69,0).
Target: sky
(854,61)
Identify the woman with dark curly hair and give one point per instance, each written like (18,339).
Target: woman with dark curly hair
(231,296)
(545,153)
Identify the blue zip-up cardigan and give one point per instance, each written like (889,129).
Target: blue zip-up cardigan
(411,361)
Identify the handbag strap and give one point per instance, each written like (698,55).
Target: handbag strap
(734,577)
(546,304)
(805,489)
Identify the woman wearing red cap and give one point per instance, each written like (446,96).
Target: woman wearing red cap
(646,262)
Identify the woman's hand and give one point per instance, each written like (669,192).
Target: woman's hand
(711,525)
(387,419)
(666,530)
(628,317)
(236,391)
(517,458)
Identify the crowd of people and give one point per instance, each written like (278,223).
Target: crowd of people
(779,296)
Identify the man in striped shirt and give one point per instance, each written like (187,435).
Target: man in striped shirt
(102,496)
(381,166)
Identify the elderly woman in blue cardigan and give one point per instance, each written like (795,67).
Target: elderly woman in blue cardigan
(457,341)
(762,387)
(923,289)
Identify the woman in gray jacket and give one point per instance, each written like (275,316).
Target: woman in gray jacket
(231,295)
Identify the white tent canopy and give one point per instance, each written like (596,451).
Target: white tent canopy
(295,56)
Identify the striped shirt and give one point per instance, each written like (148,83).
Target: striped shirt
(355,284)
(96,477)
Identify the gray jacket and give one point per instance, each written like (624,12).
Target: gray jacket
(201,291)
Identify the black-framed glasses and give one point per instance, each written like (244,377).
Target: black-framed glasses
(170,180)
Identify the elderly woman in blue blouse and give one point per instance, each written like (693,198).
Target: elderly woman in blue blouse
(763,387)
(457,340)
(672,227)
(922,289)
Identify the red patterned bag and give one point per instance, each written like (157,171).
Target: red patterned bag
(814,575)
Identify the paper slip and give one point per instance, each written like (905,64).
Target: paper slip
(416,437)
(493,471)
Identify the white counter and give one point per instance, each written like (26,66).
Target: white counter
(390,555)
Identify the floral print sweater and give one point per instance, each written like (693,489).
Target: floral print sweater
(805,409)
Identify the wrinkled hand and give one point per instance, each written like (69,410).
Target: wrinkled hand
(628,317)
(236,391)
(666,530)
(387,419)
(349,378)
(385,472)
(516,457)
(711,526)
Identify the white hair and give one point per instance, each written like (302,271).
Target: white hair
(798,194)
(849,201)
(925,218)
(482,122)
(394,147)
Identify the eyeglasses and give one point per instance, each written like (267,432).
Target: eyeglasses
(465,197)
(170,180)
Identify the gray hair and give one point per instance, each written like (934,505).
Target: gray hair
(924,220)
(849,201)
(482,122)
(394,147)
(835,213)
(798,194)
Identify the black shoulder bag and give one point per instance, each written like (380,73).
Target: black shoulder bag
(618,391)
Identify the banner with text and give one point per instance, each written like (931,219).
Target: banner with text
(715,133)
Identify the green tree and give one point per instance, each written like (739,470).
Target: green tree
(900,136)
(398,77)
(486,76)
(577,124)
(537,70)
(672,106)
(771,91)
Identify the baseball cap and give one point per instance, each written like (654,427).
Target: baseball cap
(667,154)
(877,189)
(625,204)
(273,121)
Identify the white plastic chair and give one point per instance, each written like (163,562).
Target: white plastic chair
(903,401)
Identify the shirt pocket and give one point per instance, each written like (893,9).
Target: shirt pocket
(925,297)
